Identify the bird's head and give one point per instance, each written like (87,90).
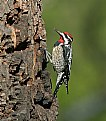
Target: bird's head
(65,37)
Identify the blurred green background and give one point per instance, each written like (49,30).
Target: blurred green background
(86,21)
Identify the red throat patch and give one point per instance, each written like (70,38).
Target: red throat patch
(61,40)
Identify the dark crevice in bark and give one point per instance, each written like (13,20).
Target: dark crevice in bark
(10,20)
(14,68)
(10,50)
(42,101)
(22,46)
(2,38)
(18,9)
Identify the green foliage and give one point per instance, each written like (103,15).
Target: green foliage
(86,21)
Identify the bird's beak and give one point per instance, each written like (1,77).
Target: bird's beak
(60,33)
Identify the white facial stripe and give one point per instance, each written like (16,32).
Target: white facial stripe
(62,34)
(68,37)
(65,39)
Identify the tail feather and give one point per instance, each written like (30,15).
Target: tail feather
(66,84)
(65,80)
(59,82)
(62,77)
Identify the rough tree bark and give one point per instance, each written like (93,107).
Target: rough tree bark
(25,85)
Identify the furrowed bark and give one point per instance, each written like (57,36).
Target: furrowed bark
(25,85)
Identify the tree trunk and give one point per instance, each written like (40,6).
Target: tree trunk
(25,85)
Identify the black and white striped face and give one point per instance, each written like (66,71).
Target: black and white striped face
(68,39)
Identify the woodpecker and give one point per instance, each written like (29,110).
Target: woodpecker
(62,59)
